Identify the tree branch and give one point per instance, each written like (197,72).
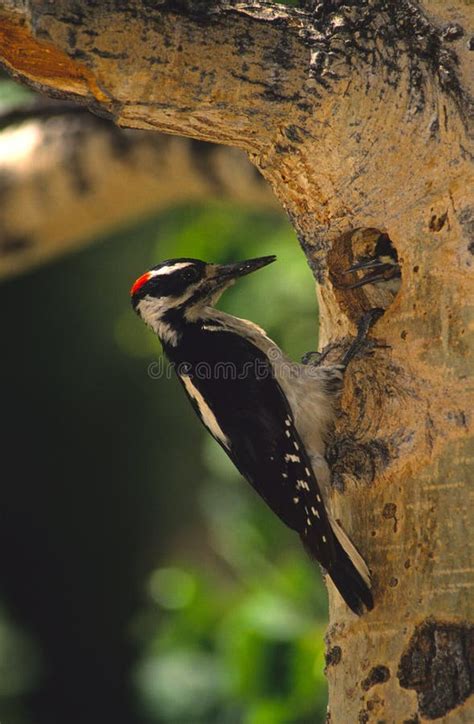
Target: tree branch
(68,177)
(148,64)
(152,65)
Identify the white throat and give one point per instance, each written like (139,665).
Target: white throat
(151,311)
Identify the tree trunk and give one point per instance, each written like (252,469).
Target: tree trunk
(357,114)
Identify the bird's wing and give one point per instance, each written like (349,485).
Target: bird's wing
(235,394)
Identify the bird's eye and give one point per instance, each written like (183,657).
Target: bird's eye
(191,274)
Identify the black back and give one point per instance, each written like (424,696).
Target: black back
(236,381)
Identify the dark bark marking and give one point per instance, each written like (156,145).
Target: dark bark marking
(280,149)
(387,35)
(438,664)
(77,19)
(466,153)
(434,128)
(452,31)
(377,675)
(363,461)
(200,11)
(466,219)
(459,418)
(429,431)
(333,656)
(281,55)
(244,42)
(71,38)
(390,513)
(437,222)
(108,114)
(90,32)
(78,54)
(269,92)
(108,54)
(295,133)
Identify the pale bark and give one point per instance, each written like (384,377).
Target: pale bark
(66,178)
(358,118)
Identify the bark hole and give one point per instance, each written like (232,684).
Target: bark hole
(377,280)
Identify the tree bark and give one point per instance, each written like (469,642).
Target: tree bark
(67,177)
(357,114)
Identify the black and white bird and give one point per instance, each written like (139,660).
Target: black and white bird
(270,415)
(381,267)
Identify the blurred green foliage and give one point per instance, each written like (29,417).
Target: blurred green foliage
(13,94)
(20,669)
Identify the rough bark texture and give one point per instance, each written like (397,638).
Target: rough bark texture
(66,177)
(357,113)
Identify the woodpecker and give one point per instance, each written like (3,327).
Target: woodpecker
(270,414)
(382,268)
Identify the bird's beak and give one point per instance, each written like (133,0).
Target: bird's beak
(377,270)
(365,264)
(227,272)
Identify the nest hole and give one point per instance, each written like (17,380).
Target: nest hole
(364,270)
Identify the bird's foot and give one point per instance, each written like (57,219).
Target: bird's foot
(360,342)
(315,359)
(370,345)
(311,358)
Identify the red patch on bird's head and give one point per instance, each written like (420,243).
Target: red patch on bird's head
(139,283)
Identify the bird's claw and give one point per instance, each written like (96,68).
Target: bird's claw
(365,323)
(317,358)
(311,358)
(369,318)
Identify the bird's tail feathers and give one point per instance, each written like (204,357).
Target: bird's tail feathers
(348,571)
(351,551)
